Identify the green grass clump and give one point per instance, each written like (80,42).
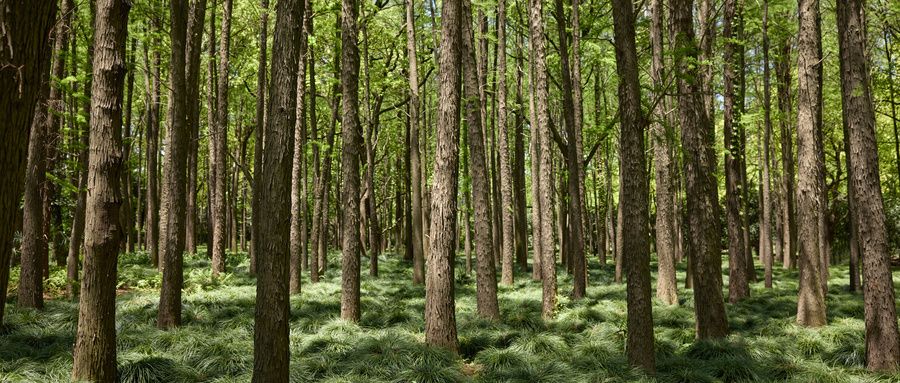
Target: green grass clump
(585,343)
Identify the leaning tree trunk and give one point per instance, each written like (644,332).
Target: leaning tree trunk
(633,194)
(95,339)
(882,338)
(272,194)
(811,297)
(700,184)
(440,308)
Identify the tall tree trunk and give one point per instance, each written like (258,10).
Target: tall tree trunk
(666,285)
(34,243)
(707,18)
(351,137)
(507,204)
(54,123)
(153,157)
(259,136)
(298,175)
(788,218)
(738,286)
(486,276)
(542,126)
(811,299)
(194,47)
(76,234)
(440,308)
(700,184)
(882,338)
(418,252)
(633,195)
(518,172)
(270,340)
(95,340)
(126,213)
(174,175)
(219,147)
(765,229)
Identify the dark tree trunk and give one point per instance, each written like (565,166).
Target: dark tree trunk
(95,340)
(192,78)
(882,338)
(440,308)
(633,194)
(811,299)
(507,204)
(788,218)
(518,172)
(738,286)
(219,148)
(174,176)
(697,138)
(486,275)
(298,175)
(272,194)
(351,137)
(153,158)
(765,229)
(259,135)
(415,169)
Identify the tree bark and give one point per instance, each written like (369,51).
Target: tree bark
(95,340)
(298,174)
(351,137)
(259,135)
(270,340)
(788,194)
(507,204)
(518,172)
(738,286)
(418,252)
(666,289)
(811,297)
(765,229)
(882,338)
(440,308)
(194,47)
(633,194)
(174,175)
(219,147)
(486,275)
(697,138)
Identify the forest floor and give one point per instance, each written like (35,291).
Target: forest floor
(584,344)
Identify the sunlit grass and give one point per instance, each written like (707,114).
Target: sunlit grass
(586,343)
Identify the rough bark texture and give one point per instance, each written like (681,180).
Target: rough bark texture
(788,218)
(299,209)
(351,137)
(507,204)
(541,125)
(765,228)
(666,289)
(697,138)
(811,297)
(27,27)
(486,275)
(270,339)
(174,176)
(882,338)
(738,286)
(259,135)
(518,173)
(95,340)
(633,194)
(440,308)
(415,162)
(194,47)
(219,148)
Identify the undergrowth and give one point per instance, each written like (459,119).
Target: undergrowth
(584,344)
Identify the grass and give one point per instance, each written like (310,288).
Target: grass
(584,344)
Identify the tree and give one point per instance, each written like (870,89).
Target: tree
(21,68)
(506,207)
(811,297)
(415,162)
(174,174)
(738,286)
(700,184)
(541,125)
(788,195)
(260,127)
(666,288)
(882,338)
(765,229)
(351,137)
(486,275)
(633,192)
(440,308)
(194,47)
(270,338)
(219,148)
(95,339)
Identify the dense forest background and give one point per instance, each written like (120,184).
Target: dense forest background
(195,190)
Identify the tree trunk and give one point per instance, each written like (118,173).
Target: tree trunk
(633,194)
(194,47)
(298,175)
(418,252)
(518,172)
(882,338)
(486,275)
(506,182)
(54,123)
(788,218)
(351,137)
(700,184)
(219,148)
(738,286)
(95,340)
(545,181)
(272,194)
(440,308)
(174,176)
(765,229)
(666,285)
(811,299)
(259,136)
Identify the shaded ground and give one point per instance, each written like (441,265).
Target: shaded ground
(585,343)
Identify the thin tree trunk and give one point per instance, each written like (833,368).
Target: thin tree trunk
(507,204)
(788,218)
(259,136)
(298,175)
(95,340)
(518,172)
(153,201)
(418,252)
(219,148)
(351,137)
(194,47)
(765,230)
(882,338)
